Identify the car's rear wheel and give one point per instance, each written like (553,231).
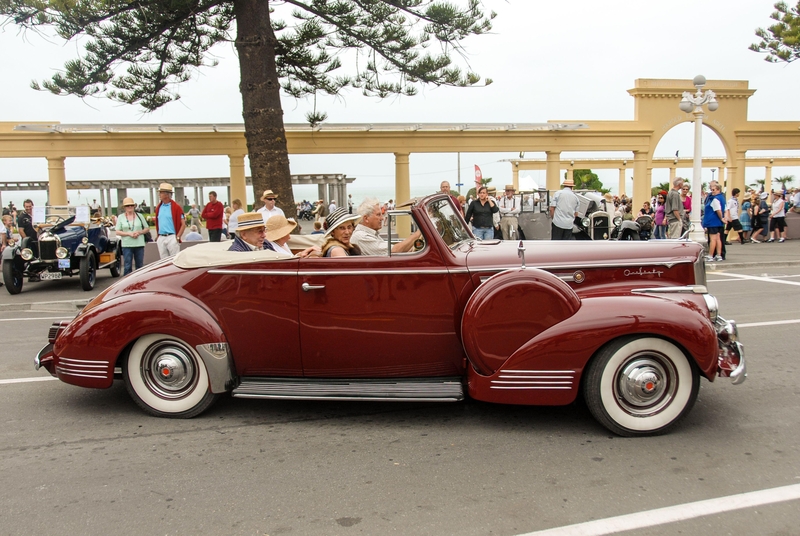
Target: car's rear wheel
(640,386)
(166,377)
(12,277)
(88,271)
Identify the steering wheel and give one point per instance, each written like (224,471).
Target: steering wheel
(54,219)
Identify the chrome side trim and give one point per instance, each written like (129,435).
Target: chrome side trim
(81,368)
(407,390)
(690,289)
(534,379)
(217,359)
(573,267)
(252,272)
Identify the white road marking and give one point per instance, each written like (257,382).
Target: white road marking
(37,318)
(673,514)
(27,380)
(773,323)
(759,278)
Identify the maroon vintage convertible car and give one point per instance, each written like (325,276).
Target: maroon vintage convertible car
(630,326)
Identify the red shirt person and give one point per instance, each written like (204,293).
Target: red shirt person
(213,213)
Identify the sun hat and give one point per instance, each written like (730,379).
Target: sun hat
(569,183)
(510,187)
(764,195)
(128,201)
(165,187)
(250,220)
(336,218)
(608,197)
(268,193)
(278,227)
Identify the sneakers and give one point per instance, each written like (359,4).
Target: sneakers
(754,241)
(771,240)
(709,258)
(718,258)
(782,240)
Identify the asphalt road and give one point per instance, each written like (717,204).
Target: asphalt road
(77,461)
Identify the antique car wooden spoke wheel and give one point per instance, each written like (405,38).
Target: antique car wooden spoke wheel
(165,377)
(640,385)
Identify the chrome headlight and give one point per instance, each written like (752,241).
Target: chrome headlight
(11,242)
(84,240)
(713,307)
(62,253)
(26,254)
(617,221)
(585,222)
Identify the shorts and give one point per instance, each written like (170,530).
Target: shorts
(736,225)
(714,230)
(778,223)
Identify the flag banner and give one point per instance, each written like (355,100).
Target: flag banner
(478,176)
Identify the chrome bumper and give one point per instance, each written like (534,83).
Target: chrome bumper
(731,363)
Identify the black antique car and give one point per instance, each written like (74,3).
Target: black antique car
(62,247)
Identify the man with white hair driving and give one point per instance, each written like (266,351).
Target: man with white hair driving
(367,234)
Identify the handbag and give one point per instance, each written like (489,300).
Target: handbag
(147,236)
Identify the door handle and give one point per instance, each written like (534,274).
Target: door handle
(306,287)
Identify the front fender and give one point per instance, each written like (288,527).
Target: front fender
(99,336)
(83,249)
(508,310)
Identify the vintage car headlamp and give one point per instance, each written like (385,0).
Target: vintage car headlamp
(84,240)
(617,221)
(11,242)
(26,254)
(713,307)
(62,253)
(585,222)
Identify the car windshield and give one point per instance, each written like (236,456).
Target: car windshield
(447,223)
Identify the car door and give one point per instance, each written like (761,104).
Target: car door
(256,305)
(374,317)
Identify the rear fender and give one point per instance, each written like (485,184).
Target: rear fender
(510,308)
(101,335)
(566,348)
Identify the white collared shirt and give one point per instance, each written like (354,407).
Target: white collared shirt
(508,207)
(267,214)
(369,241)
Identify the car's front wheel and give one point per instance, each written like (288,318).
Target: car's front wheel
(88,271)
(167,378)
(12,277)
(640,385)
(115,267)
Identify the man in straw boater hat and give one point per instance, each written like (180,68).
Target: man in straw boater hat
(564,208)
(170,222)
(250,233)
(269,209)
(509,210)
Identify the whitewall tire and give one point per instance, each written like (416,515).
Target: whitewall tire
(640,385)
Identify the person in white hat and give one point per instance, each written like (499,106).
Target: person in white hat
(131,226)
(509,210)
(269,209)
(564,208)
(170,222)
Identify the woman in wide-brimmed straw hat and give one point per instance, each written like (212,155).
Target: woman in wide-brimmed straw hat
(132,227)
(278,231)
(339,227)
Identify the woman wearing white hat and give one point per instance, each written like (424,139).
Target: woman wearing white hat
(339,227)
(131,226)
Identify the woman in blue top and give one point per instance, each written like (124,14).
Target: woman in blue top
(131,226)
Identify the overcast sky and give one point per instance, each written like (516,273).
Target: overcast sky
(549,61)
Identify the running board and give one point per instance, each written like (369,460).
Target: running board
(385,390)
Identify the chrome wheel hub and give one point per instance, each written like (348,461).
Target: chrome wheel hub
(168,369)
(646,383)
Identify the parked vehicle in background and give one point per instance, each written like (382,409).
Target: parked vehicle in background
(630,327)
(68,242)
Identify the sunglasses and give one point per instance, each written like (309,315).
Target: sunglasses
(270,198)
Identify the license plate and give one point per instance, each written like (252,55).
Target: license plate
(63,264)
(44,276)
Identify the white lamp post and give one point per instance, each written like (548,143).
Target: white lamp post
(694,104)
